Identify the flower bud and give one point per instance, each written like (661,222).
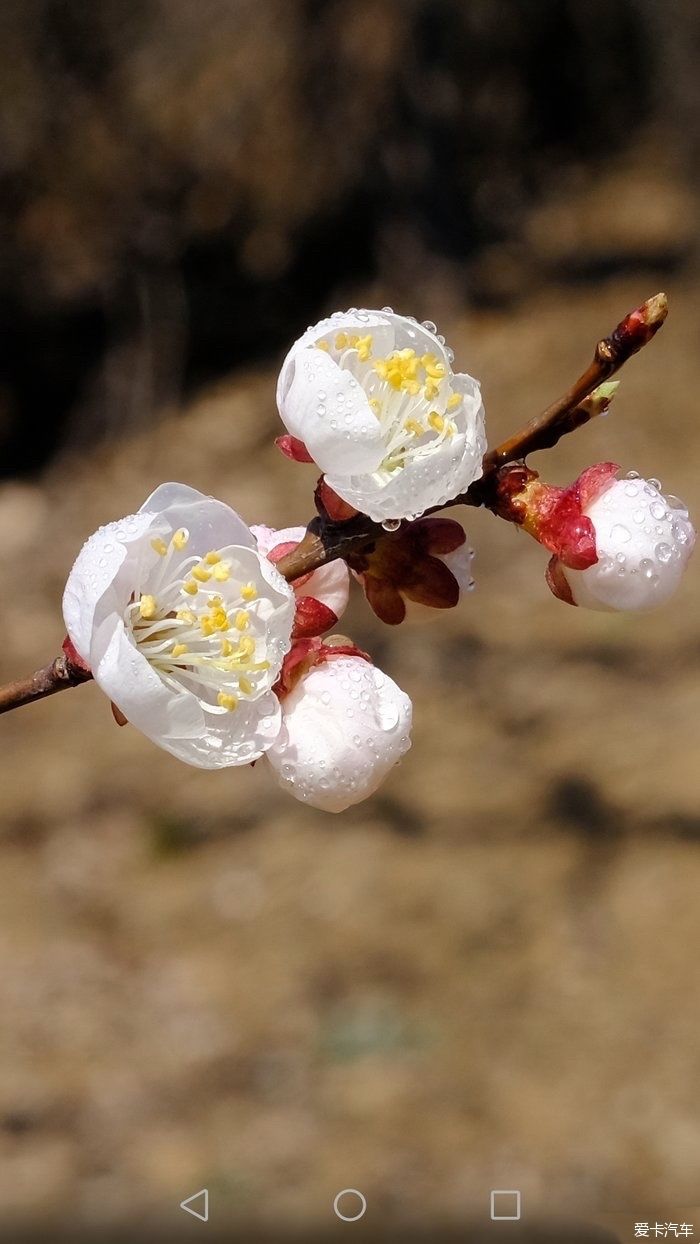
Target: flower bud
(345,724)
(643,542)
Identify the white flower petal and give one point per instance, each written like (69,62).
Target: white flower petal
(95,570)
(376,322)
(344,726)
(643,543)
(459,563)
(210,522)
(444,473)
(326,408)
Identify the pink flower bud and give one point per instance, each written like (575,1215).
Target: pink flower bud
(643,541)
(345,724)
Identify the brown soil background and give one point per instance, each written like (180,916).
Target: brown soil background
(485,974)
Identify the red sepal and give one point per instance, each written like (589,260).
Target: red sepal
(74,658)
(293,448)
(558,582)
(312,617)
(306,653)
(330,506)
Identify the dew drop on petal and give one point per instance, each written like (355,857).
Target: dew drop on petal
(620,535)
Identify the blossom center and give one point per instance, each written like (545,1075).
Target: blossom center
(199,625)
(410,395)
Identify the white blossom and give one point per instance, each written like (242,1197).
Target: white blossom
(643,541)
(184,626)
(373,397)
(345,724)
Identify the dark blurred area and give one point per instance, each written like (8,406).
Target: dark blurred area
(483,977)
(183,186)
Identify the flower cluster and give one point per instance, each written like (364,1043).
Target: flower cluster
(181,615)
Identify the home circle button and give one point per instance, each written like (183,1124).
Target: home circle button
(350,1205)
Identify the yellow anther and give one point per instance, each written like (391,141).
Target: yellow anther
(381,367)
(261,665)
(431,389)
(246,647)
(201,574)
(364,347)
(454,400)
(190,587)
(322,345)
(229,702)
(186,615)
(148,607)
(412,425)
(159,546)
(180,539)
(179,650)
(341,341)
(227,648)
(241,620)
(436,421)
(221,572)
(206,626)
(435,370)
(411,386)
(245,685)
(212,558)
(249,591)
(219,619)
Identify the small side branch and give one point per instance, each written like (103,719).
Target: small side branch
(569,411)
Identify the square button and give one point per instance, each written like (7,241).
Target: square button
(505,1205)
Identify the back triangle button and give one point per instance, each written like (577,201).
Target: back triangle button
(201,1211)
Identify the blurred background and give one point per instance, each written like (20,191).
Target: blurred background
(486,976)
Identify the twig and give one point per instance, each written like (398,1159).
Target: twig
(57,676)
(325,541)
(546,429)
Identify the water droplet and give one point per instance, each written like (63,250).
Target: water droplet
(391,524)
(657,509)
(655,483)
(631,490)
(664,552)
(432,328)
(388,716)
(620,535)
(320,409)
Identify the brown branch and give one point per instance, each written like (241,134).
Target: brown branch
(546,429)
(325,541)
(57,676)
